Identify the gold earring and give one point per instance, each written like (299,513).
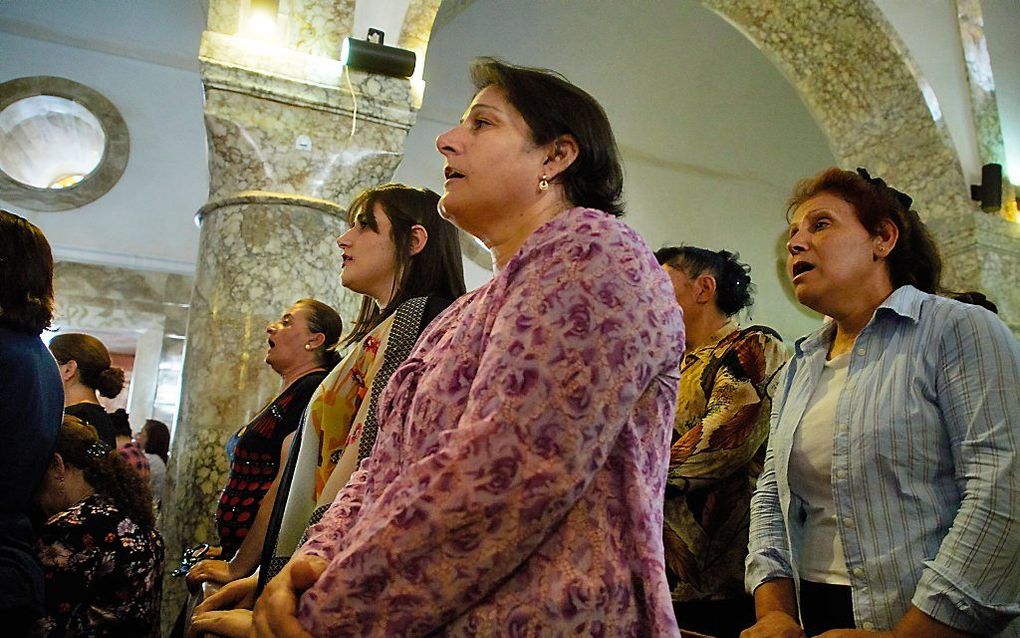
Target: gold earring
(543,184)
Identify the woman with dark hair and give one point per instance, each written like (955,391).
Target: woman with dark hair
(87,371)
(516,484)
(100,553)
(888,499)
(727,380)
(302,348)
(126,445)
(31,406)
(406,260)
(155,442)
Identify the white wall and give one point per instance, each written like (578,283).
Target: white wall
(146,219)
(712,136)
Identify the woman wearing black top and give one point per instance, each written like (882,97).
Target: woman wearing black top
(302,346)
(87,371)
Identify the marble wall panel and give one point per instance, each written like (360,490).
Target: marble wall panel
(107,297)
(253,146)
(317,27)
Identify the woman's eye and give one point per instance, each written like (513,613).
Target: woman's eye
(477,124)
(821,223)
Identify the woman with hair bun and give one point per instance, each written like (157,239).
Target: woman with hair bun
(727,380)
(87,371)
(888,503)
(101,556)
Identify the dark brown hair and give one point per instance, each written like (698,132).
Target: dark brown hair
(95,369)
(323,319)
(915,259)
(552,106)
(436,269)
(105,470)
(26,276)
(157,439)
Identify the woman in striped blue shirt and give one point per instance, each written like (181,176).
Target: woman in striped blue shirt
(888,504)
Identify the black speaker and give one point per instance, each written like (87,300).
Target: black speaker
(377,58)
(989,192)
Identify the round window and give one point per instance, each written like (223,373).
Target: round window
(62,144)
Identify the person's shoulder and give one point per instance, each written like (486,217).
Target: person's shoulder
(310,381)
(584,239)
(764,334)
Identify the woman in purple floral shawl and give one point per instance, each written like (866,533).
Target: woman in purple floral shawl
(516,484)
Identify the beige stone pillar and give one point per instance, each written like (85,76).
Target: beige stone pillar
(284,160)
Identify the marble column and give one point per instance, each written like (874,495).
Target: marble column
(286,155)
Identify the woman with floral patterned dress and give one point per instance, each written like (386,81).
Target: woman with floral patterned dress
(516,484)
(101,556)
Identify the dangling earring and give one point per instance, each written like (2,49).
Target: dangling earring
(543,184)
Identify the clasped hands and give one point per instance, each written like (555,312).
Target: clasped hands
(233,611)
(779,624)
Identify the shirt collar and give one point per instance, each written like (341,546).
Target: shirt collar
(904,302)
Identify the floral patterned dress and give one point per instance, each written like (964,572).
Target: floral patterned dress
(516,484)
(102,573)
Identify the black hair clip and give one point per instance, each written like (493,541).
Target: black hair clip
(97,450)
(904,199)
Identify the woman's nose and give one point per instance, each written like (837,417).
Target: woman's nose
(795,244)
(445,142)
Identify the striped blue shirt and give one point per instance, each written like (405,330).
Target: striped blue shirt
(924,466)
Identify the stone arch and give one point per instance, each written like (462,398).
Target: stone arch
(870,100)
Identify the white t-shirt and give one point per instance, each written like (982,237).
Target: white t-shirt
(822,559)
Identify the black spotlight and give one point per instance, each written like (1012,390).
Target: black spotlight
(376,57)
(989,192)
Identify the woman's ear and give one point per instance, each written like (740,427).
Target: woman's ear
(317,340)
(68,370)
(885,238)
(419,237)
(58,467)
(563,151)
(706,288)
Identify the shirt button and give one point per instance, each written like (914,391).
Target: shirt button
(861,352)
(848,522)
(841,474)
(857,571)
(867,626)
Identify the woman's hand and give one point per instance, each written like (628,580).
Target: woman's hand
(775,624)
(239,594)
(214,571)
(233,623)
(276,609)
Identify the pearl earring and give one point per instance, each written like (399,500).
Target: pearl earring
(308,347)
